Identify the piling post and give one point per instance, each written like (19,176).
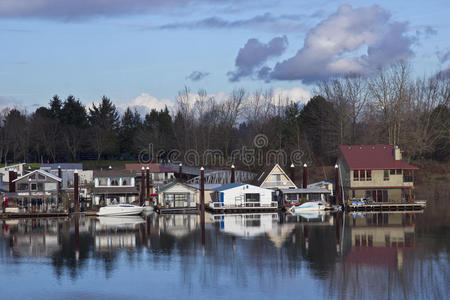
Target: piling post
(202,206)
(11,178)
(336,183)
(305,176)
(59,186)
(233,178)
(76,191)
(142,186)
(147,182)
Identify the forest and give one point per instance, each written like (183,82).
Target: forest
(389,107)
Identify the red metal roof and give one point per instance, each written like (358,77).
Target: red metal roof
(373,157)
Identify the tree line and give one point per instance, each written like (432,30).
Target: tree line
(389,107)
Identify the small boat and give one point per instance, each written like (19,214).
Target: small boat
(122,209)
(309,206)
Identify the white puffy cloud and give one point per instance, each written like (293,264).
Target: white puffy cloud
(295,94)
(334,46)
(145,102)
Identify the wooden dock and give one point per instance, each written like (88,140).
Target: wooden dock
(177,210)
(382,206)
(15,215)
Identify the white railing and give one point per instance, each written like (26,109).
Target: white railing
(243,204)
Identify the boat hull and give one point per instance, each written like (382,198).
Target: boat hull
(120,211)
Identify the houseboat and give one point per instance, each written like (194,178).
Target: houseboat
(242,197)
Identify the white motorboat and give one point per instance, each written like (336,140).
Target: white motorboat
(309,206)
(122,209)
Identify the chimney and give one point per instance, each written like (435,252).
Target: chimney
(180,172)
(233,180)
(305,176)
(397,153)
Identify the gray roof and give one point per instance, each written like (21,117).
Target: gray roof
(70,166)
(211,186)
(42,172)
(306,191)
(227,186)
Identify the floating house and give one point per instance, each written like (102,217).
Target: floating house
(376,173)
(114,186)
(177,195)
(36,191)
(295,196)
(240,196)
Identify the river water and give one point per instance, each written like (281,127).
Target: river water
(252,256)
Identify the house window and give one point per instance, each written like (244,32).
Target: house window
(369,175)
(386,175)
(407,176)
(125,181)
(276,177)
(114,182)
(251,197)
(355,175)
(353,194)
(392,171)
(291,197)
(103,181)
(41,177)
(23,187)
(34,187)
(398,171)
(32,176)
(362,175)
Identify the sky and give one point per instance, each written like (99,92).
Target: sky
(140,53)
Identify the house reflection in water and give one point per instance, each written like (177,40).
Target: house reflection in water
(178,225)
(380,239)
(246,225)
(32,237)
(116,232)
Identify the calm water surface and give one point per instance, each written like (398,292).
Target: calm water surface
(253,256)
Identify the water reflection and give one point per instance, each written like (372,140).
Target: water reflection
(349,255)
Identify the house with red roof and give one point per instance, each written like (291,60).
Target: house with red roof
(375,172)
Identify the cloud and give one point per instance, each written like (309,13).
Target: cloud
(197,75)
(254,54)
(144,103)
(267,21)
(69,9)
(294,94)
(348,41)
(10,102)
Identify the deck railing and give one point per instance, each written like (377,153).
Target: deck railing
(243,204)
